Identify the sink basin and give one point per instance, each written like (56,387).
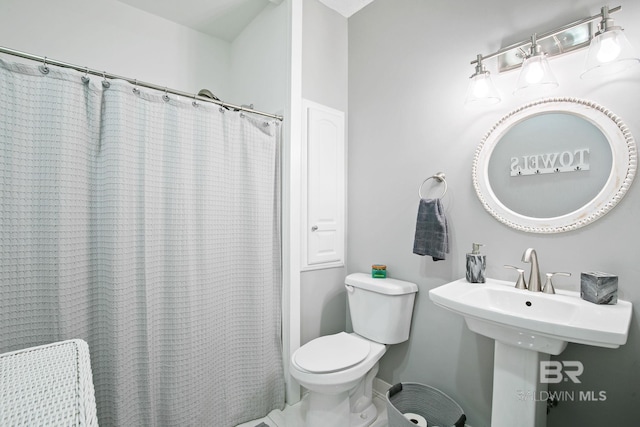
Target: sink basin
(528,327)
(534,320)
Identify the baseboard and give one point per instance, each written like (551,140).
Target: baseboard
(380,387)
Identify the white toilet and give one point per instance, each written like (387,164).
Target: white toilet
(338,370)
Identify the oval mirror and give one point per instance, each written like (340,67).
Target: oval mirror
(554,165)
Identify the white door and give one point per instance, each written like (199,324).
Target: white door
(324,149)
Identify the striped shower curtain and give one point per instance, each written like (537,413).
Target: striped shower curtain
(149,227)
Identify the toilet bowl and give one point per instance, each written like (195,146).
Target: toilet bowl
(338,370)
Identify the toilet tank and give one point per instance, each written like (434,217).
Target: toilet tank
(381,309)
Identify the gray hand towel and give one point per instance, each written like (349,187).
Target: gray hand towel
(432,231)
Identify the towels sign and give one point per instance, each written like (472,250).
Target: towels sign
(544,163)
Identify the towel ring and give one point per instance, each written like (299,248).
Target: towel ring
(438,177)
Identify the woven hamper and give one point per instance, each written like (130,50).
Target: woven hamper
(436,407)
(48,385)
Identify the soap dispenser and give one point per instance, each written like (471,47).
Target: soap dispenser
(476,264)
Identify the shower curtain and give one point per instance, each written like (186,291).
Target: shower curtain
(148,226)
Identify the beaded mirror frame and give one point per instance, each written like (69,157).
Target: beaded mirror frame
(623,168)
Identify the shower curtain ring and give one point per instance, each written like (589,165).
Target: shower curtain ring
(85,79)
(195,102)
(43,68)
(135,87)
(165,97)
(105,83)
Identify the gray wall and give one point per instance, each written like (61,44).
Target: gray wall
(408,73)
(258,61)
(324,80)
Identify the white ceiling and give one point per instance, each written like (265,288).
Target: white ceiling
(346,7)
(225,19)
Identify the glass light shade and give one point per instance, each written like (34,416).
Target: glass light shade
(536,75)
(609,52)
(481,91)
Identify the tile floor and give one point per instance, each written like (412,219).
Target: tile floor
(293,416)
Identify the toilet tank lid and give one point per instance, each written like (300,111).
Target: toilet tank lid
(386,286)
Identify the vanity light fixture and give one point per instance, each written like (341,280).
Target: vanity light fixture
(481,91)
(609,52)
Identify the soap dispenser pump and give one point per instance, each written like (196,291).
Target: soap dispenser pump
(476,264)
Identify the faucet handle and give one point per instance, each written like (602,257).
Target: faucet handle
(520,283)
(548,284)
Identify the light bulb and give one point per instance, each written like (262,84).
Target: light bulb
(609,48)
(481,91)
(535,75)
(534,72)
(480,87)
(610,53)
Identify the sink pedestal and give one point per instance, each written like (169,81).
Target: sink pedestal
(518,396)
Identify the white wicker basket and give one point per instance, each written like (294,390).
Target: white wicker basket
(49,385)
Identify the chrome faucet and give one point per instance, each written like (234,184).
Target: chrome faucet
(534,277)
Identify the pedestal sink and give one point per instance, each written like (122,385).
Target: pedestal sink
(528,327)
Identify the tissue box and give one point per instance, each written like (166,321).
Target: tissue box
(599,288)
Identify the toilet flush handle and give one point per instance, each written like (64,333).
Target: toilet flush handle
(350,288)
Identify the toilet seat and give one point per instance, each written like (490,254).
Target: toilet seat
(332,353)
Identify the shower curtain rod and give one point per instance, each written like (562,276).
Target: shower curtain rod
(48,61)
